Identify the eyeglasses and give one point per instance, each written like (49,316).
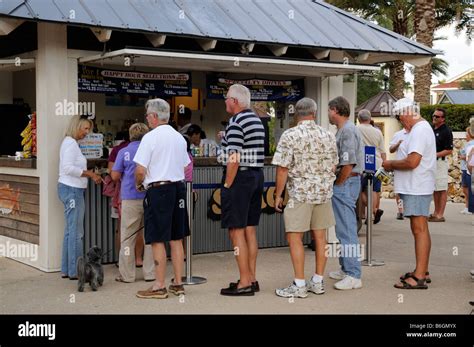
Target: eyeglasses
(434,116)
(229,97)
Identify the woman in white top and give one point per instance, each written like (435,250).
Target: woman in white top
(72,185)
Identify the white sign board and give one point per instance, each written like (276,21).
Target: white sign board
(92,146)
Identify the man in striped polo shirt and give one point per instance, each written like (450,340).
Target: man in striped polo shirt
(242,186)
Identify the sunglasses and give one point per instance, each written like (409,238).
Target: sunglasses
(437,116)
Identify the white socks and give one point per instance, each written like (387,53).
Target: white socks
(300,283)
(317,278)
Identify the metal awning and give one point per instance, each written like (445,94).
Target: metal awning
(223,63)
(17,64)
(278,24)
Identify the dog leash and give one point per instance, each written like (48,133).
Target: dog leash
(110,250)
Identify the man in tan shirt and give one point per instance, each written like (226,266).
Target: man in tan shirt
(372,136)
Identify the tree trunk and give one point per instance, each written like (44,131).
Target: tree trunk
(424,26)
(396,68)
(397,78)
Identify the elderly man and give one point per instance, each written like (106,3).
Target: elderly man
(415,172)
(444,147)
(372,136)
(346,190)
(306,156)
(242,188)
(161,159)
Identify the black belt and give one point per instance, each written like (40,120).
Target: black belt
(245,168)
(161,183)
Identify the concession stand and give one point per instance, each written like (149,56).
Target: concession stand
(106,59)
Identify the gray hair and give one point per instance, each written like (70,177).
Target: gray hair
(364,115)
(160,107)
(241,94)
(306,107)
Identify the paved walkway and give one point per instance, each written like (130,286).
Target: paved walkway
(26,290)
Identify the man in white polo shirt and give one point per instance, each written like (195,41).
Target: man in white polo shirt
(415,172)
(161,159)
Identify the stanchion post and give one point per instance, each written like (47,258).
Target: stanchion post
(189,278)
(368,245)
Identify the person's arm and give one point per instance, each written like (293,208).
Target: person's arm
(110,165)
(347,157)
(344,174)
(409,163)
(444,153)
(449,146)
(118,167)
(140,173)
(281,178)
(394,148)
(235,142)
(142,159)
(232,168)
(68,161)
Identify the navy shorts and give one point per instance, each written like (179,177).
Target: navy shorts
(466,179)
(241,204)
(166,214)
(377,184)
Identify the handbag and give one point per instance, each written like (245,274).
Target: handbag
(108,189)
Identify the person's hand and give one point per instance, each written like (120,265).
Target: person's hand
(220,135)
(140,188)
(96,178)
(400,142)
(279,204)
(387,165)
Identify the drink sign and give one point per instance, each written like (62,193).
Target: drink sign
(92,146)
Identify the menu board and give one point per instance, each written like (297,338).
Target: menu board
(96,80)
(92,146)
(260,89)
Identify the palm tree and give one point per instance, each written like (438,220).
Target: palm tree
(425,23)
(399,16)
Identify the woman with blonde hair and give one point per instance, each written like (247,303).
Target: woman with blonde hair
(72,185)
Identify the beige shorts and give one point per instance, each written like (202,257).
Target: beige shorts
(301,217)
(441,175)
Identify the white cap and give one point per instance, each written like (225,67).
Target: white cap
(405,106)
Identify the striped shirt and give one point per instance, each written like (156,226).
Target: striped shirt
(245,134)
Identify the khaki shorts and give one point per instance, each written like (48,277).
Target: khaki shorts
(441,175)
(302,217)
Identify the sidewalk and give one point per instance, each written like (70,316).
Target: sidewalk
(25,290)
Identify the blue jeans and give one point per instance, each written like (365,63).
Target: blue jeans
(344,203)
(74,210)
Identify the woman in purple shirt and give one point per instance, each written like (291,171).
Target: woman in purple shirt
(132,210)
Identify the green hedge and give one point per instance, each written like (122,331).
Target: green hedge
(457,117)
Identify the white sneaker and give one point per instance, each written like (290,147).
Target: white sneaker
(465,211)
(337,275)
(348,282)
(292,291)
(316,287)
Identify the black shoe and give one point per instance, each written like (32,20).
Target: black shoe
(400,216)
(255,285)
(234,291)
(378,215)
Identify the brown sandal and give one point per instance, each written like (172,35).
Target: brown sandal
(420,284)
